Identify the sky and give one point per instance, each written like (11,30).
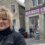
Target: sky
(22,1)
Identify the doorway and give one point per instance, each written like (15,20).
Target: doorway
(33,24)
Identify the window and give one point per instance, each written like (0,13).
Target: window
(40,1)
(13,8)
(14,24)
(35,2)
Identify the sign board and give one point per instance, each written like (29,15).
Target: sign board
(38,10)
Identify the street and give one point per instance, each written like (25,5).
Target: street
(35,42)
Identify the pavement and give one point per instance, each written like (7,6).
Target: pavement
(34,42)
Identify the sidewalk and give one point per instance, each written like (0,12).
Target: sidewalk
(34,42)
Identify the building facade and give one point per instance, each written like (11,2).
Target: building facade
(14,7)
(35,16)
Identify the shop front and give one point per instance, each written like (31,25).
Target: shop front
(36,21)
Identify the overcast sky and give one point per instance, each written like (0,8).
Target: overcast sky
(22,1)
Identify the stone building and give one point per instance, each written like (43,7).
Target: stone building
(14,6)
(35,16)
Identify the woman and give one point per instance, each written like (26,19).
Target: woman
(7,35)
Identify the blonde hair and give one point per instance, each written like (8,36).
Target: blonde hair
(8,13)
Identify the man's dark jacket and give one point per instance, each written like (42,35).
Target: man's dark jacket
(8,37)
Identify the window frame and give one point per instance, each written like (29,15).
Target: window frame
(13,8)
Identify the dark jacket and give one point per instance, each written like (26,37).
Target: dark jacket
(9,37)
(31,30)
(22,31)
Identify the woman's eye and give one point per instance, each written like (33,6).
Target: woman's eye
(4,19)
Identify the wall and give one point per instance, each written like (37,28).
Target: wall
(8,3)
(28,4)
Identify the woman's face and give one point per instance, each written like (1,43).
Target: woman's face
(4,21)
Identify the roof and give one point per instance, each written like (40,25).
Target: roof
(22,4)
